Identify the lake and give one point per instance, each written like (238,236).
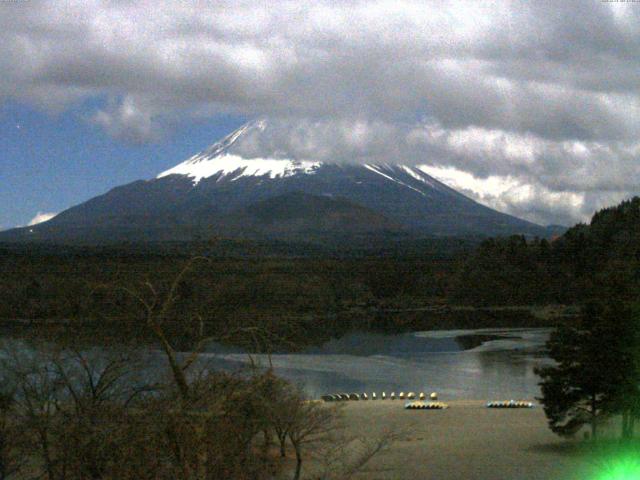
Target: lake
(458,364)
(479,364)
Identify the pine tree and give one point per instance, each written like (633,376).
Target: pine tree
(590,374)
(622,321)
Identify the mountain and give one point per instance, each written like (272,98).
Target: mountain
(225,192)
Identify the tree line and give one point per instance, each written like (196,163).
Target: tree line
(597,371)
(39,282)
(73,411)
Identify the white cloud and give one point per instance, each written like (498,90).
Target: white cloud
(541,180)
(128,121)
(548,69)
(507,194)
(545,93)
(40,218)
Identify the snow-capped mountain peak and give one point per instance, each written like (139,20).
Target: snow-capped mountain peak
(219,160)
(221,147)
(224,161)
(225,192)
(233,167)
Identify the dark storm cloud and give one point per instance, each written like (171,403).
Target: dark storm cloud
(545,94)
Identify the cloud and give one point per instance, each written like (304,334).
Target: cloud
(128,121)
(546,92)
(545,181)
(508,194)
(40,218)
(553,70)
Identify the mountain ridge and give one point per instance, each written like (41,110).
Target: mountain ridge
(211,193)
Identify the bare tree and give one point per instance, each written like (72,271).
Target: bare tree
(72,408)
(11,440)
(311,422)
(157,308)
(37,407)
(278,400)
(97,389)
(345,457)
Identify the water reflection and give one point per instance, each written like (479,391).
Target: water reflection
(460,364)
(501,366)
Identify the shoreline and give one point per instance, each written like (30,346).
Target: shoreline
(467,441)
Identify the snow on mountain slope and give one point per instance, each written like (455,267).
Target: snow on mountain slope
(215,192)
(233,167)
(414,172)
(222,162)
(219,160)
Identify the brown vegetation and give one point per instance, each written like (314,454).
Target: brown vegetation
(87,413)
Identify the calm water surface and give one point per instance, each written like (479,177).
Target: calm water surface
(458,364)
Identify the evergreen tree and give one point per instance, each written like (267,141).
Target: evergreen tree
(569,402)
(597,371)
(625,339)
(578,389)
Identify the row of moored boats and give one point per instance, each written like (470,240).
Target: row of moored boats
(419,400)
(337,397)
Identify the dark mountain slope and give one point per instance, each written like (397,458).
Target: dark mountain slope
(220,193)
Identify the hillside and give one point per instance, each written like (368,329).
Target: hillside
(219,192)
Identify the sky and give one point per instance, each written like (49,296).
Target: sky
(532,108)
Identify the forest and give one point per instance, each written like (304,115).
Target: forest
(68,410)
(493,282)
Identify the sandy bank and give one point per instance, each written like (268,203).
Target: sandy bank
(466,442)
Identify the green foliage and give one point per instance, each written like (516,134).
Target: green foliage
(572,394)
(571,269)
(509,271)
(302,300)
(597,371)
(598,362)
(324,295)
